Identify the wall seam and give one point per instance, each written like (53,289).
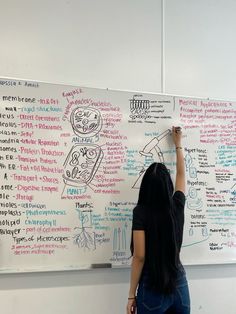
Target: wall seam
(163,46)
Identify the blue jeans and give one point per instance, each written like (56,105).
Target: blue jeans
(152,302)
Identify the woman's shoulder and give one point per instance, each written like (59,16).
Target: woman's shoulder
(139,211)
(138,208)
(179,194)
(179,198)
(139,217)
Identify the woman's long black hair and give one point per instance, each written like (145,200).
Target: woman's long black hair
(161,247)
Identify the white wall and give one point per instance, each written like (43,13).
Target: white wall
(118,44)
(200,58)
(105,43)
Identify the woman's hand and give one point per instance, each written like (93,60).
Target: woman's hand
(131,306)
(176,135)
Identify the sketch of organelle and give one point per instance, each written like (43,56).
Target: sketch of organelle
(193,201)
(204,232)
(82,164)
(147,151)
(198,232)
(86,121)
(190,168)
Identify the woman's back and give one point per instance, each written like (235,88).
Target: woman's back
(157,235)
(163,240)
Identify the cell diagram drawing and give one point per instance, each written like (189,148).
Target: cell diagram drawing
(86,121)
(82,164)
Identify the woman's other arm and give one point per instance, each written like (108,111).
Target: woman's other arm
(180,168)
(136,267)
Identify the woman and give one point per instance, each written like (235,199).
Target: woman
(157,234)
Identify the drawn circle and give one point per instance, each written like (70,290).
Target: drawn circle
(192,192)
(86,121)
(68,173)
(74,159)
(84,165)
(91,153)
(74,172)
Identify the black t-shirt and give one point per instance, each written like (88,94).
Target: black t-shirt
(140,218)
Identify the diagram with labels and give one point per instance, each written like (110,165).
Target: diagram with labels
(72,160)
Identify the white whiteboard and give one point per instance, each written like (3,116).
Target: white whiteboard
(71,160)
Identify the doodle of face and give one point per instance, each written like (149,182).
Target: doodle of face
(86,121)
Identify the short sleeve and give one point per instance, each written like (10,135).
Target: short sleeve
(179,200)
(138,219)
